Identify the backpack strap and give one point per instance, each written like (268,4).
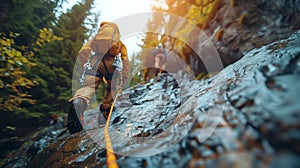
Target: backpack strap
(114,34)
(97,74)
(109,75)
(93,71)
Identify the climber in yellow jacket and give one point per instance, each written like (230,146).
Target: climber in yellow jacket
(99,69)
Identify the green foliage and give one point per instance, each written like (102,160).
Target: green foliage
(56,61)
(135,67)
(37,60)
(26,18)
(37,55)
(13,83)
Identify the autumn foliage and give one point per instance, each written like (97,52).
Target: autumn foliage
(197,12)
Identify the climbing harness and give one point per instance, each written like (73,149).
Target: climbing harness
(118,63)
(86,66)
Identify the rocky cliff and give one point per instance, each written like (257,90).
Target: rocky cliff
(247,115)
(239,26)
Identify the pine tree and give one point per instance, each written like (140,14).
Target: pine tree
(50,45)
(55,66)
(26,18)
(22,27)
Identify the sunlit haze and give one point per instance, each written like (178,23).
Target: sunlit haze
(111,10)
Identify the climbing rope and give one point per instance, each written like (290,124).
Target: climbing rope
(111,160)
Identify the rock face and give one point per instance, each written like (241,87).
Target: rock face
(240,26)
(247,115)
(237,27)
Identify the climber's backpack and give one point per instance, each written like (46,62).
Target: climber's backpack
(106,42)
(160,51)
(107,39)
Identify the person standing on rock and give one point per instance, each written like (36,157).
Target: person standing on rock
(109,51)
(160,59)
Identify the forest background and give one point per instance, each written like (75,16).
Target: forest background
(39,43)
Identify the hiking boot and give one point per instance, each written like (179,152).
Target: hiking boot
(104,111)
(75,115)
(143,82)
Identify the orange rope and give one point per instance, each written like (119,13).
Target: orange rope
(111,160)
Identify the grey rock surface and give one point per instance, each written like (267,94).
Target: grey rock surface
(247,115)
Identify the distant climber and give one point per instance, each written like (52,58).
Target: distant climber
(160,58)
(100,66)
